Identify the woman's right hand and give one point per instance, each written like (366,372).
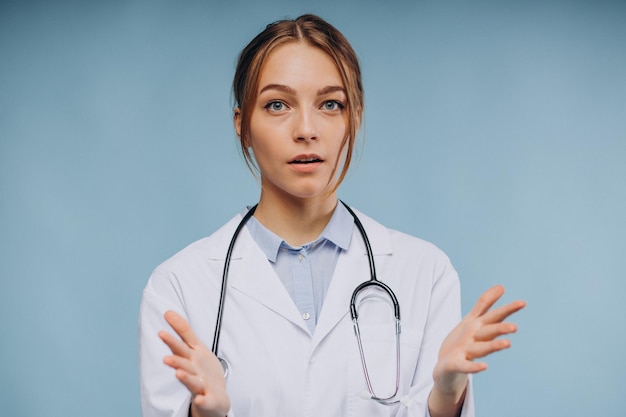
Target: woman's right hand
(197,368)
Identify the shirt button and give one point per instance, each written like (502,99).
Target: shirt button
(306,316)
(300,257)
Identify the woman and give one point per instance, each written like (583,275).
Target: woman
(287,335)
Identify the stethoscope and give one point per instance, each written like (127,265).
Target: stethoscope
(373,282)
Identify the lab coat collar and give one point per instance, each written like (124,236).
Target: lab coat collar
(252,274)
(378,234)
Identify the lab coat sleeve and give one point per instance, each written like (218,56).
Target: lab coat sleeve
(444,313)
(161,393)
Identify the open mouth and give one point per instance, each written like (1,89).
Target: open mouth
(305,161)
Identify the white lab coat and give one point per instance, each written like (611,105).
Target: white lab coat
(277,368)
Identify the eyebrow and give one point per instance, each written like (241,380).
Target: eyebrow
(331,89)
(280,87)
(288,90)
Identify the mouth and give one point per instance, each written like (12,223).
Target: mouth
(308,159)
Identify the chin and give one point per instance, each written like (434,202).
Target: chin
(308,193)
(306,189)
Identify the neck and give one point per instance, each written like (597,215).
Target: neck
(297,221)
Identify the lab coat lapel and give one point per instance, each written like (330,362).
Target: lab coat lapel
(352,269)
(251,273)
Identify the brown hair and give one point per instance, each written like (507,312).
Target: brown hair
(316,32)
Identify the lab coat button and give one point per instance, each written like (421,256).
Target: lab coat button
(306,316)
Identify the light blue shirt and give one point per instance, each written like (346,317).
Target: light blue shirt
(306,271)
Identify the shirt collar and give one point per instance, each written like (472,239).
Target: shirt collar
(338,231)
(339,227)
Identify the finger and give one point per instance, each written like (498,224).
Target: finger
(178,362)
(482,349)
(177,346)
(501,313)
(467,367)
(182,328)
(491,331)
(487,300)
(194,383)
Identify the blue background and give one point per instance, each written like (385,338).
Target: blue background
(495,129)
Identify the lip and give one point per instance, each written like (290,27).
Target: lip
(306,157)
(306,162)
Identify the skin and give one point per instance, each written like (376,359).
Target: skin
(299,114)
(299,111)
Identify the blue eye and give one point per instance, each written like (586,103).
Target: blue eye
(332,105)
(275,106)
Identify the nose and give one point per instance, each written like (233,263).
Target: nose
(305,128)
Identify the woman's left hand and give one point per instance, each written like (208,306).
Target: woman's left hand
(476,336)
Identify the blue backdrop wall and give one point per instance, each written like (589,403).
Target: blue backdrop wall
(495,129)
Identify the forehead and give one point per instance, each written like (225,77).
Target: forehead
(298,64)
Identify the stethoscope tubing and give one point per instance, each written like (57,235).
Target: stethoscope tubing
(373,282)
(220,309)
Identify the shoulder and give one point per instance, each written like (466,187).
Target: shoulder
(411,249)
(197,254)
(416,268)
(394,240)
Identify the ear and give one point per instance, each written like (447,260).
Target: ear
(237,121)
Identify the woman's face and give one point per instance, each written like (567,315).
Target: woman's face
(298,123)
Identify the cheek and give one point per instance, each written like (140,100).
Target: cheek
(263,150)
(255,129)
(255,137)
(343,144)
